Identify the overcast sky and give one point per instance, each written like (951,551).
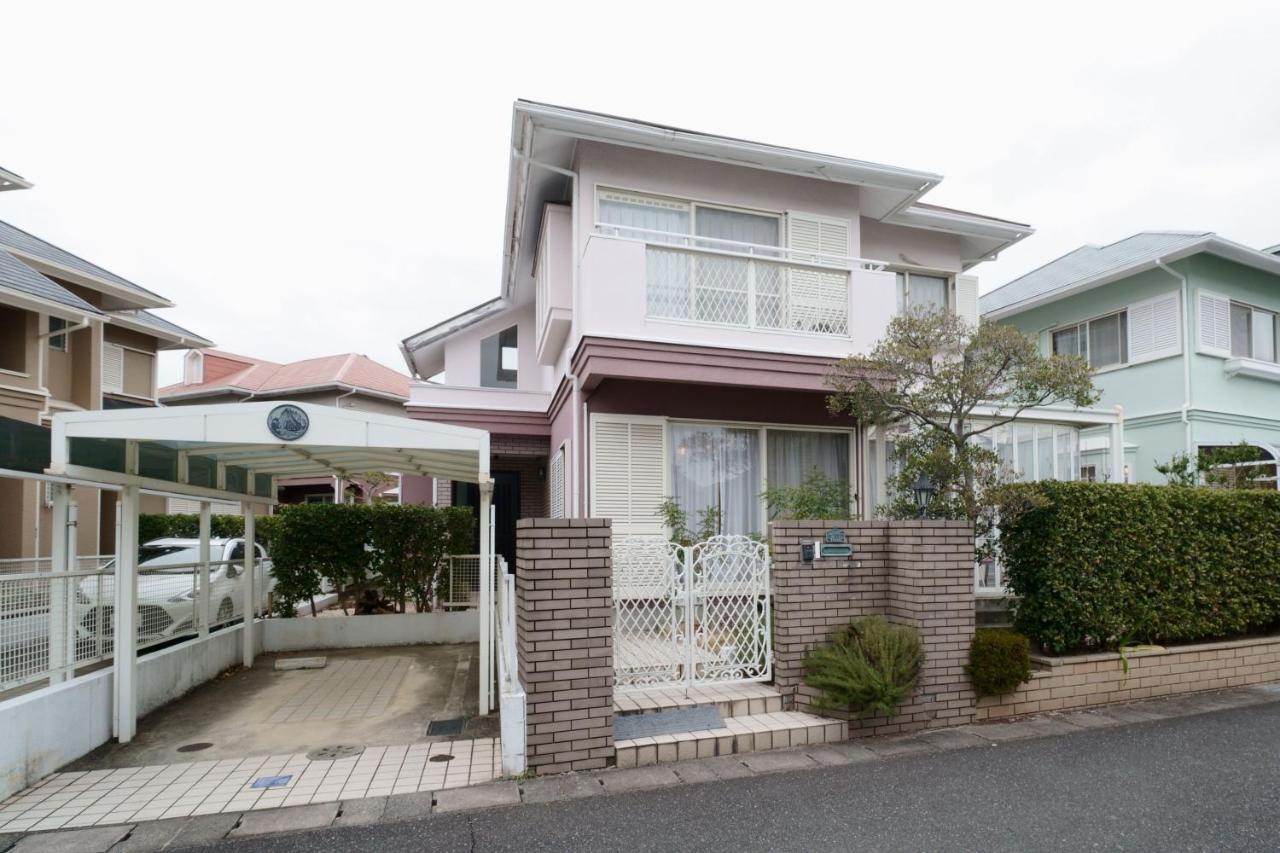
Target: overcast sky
(310,178)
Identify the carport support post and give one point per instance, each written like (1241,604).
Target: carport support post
(202,590)
(125,655)
(248,582)
(486,593)
(59,593)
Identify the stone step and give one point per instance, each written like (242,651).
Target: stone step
(740,735)
(730,700)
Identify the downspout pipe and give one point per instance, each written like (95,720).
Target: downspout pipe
(1186,354)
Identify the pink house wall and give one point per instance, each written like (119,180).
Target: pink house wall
(462,351)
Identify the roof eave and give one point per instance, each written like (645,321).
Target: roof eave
(138,298)
(47,306)
(192,341)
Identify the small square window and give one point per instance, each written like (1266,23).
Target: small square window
(500,359)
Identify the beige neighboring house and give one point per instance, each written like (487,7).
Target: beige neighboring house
(73,336)
(346,380)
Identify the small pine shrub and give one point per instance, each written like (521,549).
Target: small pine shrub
(998,662)
(870,667)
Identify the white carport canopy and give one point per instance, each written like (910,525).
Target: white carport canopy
(236,452)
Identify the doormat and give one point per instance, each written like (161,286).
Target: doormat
(445,728)
(699,718)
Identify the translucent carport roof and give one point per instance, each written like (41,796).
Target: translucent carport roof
(233,451)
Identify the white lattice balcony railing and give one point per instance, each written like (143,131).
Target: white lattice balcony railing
(752,286)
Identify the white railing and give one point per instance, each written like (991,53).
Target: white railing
(52,623)
(23,565)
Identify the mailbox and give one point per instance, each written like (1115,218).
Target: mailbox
(835,545)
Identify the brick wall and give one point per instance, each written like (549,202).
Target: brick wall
(1086,681)
(916,573)
(564,639)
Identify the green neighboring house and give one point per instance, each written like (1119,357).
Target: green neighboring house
(1181,330)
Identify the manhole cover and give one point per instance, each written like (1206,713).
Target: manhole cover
(333,753)
(194,747)
(446,727)
(440,757)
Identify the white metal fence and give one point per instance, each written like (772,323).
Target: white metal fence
(690,615)
(25,565)
(458,587)
(52,623)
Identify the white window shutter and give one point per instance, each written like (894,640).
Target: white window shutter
(112,369)
(1214,320)
(967,298)
(819,301)
(628,461)
(1154,329)
(557,484)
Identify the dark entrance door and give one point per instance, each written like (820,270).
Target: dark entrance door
(506,499)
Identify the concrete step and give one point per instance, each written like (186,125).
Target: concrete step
(730,700)
(740,735)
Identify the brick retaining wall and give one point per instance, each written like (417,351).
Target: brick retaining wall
(912,572)
(1085,681)
(564,641)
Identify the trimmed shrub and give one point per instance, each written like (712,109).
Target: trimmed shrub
(1098,564)
(187,526)
(998,662)
(870,667)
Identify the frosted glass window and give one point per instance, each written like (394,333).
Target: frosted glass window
(649,213)
(737,226)
(1044,452)
(1264,335)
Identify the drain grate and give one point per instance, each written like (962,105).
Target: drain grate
(438,728)
(439,757)
(333,753)
(194,747)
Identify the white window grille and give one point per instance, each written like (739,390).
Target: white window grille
(112,369)
(556,485)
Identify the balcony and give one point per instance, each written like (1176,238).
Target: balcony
(727,285)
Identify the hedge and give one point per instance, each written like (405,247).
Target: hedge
(1095,564)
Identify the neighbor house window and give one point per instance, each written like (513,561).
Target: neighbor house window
(499,359)
(1253,333)
(57,342)
(13,339)
(920,291)
(1103,342)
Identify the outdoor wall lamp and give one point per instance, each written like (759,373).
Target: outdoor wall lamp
(924,490)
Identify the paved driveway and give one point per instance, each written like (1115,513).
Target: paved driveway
(1206,782)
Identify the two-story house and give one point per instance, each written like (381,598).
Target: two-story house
(670,304)
(73,336)
(347,381)
(1180,328)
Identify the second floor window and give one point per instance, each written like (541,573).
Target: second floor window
(57,342)
(500,359)
(1103,342)
(1253,333)
(916,290)
(13,339)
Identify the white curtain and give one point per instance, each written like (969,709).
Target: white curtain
(717,467)
(794,454)
(737,226)
(653,217)
(922,291)
(667,272)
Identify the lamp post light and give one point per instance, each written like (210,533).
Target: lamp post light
(924,490)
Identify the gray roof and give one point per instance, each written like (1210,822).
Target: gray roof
(160,324)
(15,275)
(15,238)
(1090,263)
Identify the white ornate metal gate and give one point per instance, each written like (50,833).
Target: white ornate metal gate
(690,615)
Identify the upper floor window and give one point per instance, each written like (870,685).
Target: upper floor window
(1103,341)
(917,290)
(1253,333)
(13,339)
(57,342)
(499,359)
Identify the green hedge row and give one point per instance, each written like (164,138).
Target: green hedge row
(1098,564)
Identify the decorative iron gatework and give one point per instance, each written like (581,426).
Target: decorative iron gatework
(690,615)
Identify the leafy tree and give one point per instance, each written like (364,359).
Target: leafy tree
(950,384)
(1221,467)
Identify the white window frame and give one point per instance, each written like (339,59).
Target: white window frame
(119,391)
(1254,310)
(904,289)
(556,469)
(1084,324)
(61,334)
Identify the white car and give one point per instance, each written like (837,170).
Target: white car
(167,586)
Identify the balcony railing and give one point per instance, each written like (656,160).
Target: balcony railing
(747,285)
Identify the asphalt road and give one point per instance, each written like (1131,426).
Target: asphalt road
(1206,782)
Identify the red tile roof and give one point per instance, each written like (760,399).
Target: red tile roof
(225,370)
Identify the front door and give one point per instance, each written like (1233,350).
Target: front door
(506,500)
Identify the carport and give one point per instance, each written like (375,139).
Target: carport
(236,452)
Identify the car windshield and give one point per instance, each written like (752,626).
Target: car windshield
(156,557)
